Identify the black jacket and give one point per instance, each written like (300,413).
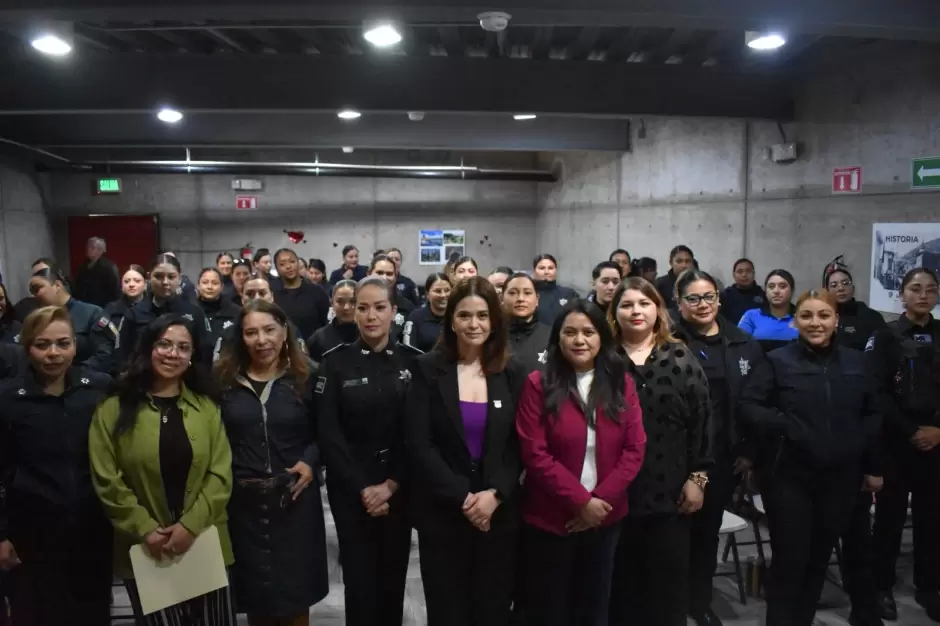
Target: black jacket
(443,474)
(407,288)
(552,299)
(44,463)
(360,405)
(666,286)
(307,306)
(142,314)
(95,336)
(673,394)
(26,306)
(405,309)
(10,332)
(741,355)
(187,289)
(819,406)
(857,324)
(116,310)
(358,274)
(221,315)
(12,361)
(736,301)
(422,329)
(332,335)
(905,359)
(529,343)
(98,283)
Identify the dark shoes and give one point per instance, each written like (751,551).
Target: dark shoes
(930,601)
(864,618)
(708,618)
(887,607)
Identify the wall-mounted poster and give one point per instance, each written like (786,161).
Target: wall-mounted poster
(435,247)
(895,249)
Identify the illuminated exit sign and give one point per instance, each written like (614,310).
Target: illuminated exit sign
(108,185)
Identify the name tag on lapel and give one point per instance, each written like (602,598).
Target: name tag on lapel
(356,382)
(497,404)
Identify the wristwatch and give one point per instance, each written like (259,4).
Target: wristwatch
(699,478)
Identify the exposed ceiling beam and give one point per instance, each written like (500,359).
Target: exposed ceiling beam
(582,46)
(225,39)
(173,39)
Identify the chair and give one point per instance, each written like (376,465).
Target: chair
(731,524)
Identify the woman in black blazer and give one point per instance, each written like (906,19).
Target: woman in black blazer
(461,440)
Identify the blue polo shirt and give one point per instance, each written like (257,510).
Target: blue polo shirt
(771,332)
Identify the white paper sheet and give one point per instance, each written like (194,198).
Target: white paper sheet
(165,583)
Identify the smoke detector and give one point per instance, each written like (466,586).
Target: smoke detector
(494,21)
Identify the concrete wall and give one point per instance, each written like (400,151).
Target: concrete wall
(198,217)
(25,232)
(709,183)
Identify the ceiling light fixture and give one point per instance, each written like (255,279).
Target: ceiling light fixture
(169,116)
(382,35)
(348,149)
(53,45)
(764,41)
(349,114)
(522,117)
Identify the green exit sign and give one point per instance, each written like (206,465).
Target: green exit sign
(925,173)
(109,185)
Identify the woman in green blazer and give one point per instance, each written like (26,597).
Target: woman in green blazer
(162,465)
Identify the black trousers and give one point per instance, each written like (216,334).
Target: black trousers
(468,576)
(703,540)
(567,579)
(374,554)
(806,514)
(909,471)
(65,575)
(857,558)
(651,569)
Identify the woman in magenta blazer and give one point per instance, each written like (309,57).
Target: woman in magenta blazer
(582,442)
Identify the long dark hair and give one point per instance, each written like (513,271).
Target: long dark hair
(9,315)
(496,348)
(561,383)
(133,386)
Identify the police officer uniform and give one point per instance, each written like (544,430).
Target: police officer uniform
(528,341)
(906,361)
(422,329)
(95,336)
(12,361)
(51,513)
(407,288)
(10,333)
(221,315)
(405,308)
(116,310)
(143,313)
(857,323)
(330,336)
(361,398)
(552,299)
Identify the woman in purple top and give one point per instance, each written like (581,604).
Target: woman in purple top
(461,439)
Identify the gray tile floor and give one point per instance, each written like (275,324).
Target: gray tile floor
(833,611)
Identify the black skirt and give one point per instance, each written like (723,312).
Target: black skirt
(280,550)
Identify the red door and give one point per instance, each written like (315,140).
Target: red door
(130,238)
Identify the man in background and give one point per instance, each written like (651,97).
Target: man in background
(98,281)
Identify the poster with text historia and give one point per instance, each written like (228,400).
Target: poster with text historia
(895,249)
(435,247)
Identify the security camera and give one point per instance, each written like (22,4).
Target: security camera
(494,21)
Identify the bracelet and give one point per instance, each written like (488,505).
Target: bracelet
(698,479)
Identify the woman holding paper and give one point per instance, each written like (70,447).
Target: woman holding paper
(162,465)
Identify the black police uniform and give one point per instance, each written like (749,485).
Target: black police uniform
(187,289)
(12,361)
(116,310)
(10,332)
(51,513)
(142,314)
(552,299)
(422,329)
(361,400)
(818,404)
(405,309)
(407,288)
(26,306)
(528,341)
(727,359)
(735,301)
(333,334)
(221,315)
(95,336)
(906,360)
(307,306)
(857,324)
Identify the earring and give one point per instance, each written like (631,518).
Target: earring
(190,362)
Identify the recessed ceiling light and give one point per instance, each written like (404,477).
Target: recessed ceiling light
(521,117)
(348,149)
(169,116)
(764,41)
(52,45)
(382,36)
(349,114)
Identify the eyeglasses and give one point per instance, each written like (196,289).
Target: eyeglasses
(696,299)
(845,282)
(166,347)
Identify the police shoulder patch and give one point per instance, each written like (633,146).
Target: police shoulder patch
(870,344)
(321,384)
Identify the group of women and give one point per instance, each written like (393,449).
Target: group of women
(564,460)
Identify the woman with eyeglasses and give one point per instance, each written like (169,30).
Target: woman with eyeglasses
(814,398)
(857,322)
(276,515)
(133,290)
(552,298)
(727,355)
(906,361)
(581,434)
(773,325)
(95,335)
(650,584)
(162,466)
(361,391)
(423,327)
(55,542)
(342,328)
(528,337)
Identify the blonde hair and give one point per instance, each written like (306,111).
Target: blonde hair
(39,320)
(817,294)
(662,330)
